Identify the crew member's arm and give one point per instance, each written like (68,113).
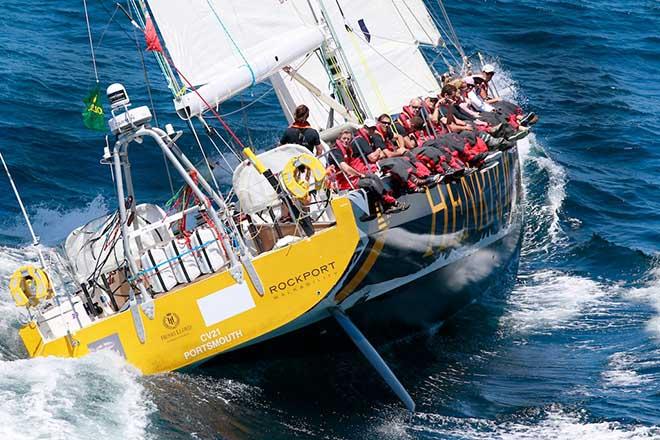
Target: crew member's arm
(466,108)
(315,143)
(349,170)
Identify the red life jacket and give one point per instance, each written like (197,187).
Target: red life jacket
(343,180)
(513,121)
(364,134)
(355,162)
(404,118)
(472,150)
(421,136)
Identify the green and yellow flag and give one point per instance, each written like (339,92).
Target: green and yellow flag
(93,116)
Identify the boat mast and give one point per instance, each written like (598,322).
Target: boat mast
(348,91)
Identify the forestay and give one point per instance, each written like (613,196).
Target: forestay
(224,46)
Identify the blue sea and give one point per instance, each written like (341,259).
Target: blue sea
(573,351)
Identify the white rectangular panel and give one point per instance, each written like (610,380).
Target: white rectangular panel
(225,304)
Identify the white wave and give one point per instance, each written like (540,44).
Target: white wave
(505,86)
(548,300)
(649,294)
(544,218)
(543,229)
(53,225)
(554,423)
(621,373)
(94,397)
(556,192)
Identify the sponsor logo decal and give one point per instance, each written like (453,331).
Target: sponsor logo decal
(171,320)
(302,280)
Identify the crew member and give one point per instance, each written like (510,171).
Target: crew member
(301,133)
(364,143)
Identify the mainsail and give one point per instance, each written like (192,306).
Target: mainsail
(222,47)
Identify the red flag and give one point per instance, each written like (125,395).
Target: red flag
(153,43)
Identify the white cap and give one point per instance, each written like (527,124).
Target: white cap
(469,80)
(369,123)
(488,68)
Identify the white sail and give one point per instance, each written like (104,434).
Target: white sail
(418,21)
(291,93)
(234,42)
(380,41)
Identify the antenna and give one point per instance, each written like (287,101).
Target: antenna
(35,239)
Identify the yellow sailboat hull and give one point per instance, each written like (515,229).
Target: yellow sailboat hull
(215,314)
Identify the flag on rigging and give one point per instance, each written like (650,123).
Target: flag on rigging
(153,43)
(93,116)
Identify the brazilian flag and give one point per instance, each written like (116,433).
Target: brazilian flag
(93,116)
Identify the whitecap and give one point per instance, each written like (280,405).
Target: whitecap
(53,225)
(622,374)
(549,300)
(552,423)
(98,396)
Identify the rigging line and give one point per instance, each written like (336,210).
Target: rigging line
(446,36)
(343,84)
(228,145)
(172,82)
(354,88)
(450,26)
(153,107)
(107,26)
(201,148)
(91,42)
(403,19)
(206,103)
(240,53)
(35,238)
(449,66)
(405,3)
(212,131)
(222,155)
(248,105)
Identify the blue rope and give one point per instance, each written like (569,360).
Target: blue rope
(224,28)
(178,257)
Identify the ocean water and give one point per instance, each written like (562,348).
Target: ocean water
(572,352)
